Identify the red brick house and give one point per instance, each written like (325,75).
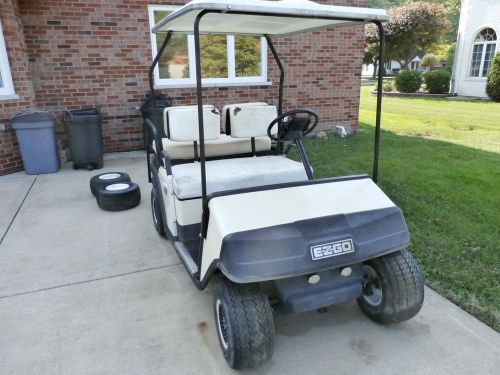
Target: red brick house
(69,54)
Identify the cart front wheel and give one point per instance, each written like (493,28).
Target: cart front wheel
(393,290)
(244,323)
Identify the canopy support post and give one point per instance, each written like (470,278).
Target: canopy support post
(381,32)
(153,97)
(153,66)
(282,81)
(201,135)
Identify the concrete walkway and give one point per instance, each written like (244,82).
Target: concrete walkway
(83,291)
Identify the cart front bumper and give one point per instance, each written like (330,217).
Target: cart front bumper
(312,245)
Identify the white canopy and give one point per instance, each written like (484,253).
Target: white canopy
(272,17)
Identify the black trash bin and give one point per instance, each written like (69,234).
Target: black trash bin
(84,130)
(148,111)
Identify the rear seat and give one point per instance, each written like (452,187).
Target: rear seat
(183,120)
(230,174)
(223,146)
(226,116)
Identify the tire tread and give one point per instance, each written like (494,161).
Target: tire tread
(402,288)
(253,323)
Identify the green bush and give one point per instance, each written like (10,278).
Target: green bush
(387,85)
(437,81)
(408,80)
(493,83)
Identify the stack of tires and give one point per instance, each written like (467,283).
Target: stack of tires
(114,191)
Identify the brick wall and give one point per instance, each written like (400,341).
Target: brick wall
(90,53)
(10,159)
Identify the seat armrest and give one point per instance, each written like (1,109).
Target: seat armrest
(153,134)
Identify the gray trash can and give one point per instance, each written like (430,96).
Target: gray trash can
(37,140)
(84,130)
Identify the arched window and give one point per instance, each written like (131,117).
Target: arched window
(483,52)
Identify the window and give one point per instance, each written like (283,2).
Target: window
(6,86)
(225,60)
(483,52)
(414,65)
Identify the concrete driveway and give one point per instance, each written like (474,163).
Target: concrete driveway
(83,291)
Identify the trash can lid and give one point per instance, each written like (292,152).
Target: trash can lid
(33,119)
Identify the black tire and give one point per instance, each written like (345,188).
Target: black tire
(119,197)
(105,179)
(244,323)
(156,212)
(393,288)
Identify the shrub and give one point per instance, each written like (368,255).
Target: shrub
(429,61)
(493,83)
(387,85)
(408,80)
(437,81)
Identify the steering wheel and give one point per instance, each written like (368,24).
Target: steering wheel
(295,127)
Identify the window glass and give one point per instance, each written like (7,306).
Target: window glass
(174,62)
(213,56)
(486,35)
(488,58)
(247,56)
(483,52)
(477,54)
(6,84)
(224,58)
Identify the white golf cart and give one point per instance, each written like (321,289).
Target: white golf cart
(238,210)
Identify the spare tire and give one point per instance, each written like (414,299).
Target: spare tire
(119,197)
(105,179)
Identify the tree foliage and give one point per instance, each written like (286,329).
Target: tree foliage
(247,56)
(429,61)
(445,53)
(213,56)
(493,82)
(453,7)
(411,28)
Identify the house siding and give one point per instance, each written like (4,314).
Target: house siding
(96,54)
(10,16)
(475,15)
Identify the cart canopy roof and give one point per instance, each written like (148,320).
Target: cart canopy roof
(271,17)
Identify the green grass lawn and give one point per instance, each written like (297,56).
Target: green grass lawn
(439,162)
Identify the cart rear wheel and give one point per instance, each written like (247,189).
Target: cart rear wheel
(156,213)
(244,323)
(393,289)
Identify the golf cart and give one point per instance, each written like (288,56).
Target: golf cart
(239,211)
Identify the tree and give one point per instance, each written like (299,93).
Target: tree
(370,56)
(493,82)
(445,53)
(429,61)
(453,7)
(414,27)
(247,56)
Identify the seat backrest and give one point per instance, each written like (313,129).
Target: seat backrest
(251,121)
(181,123)
(226,123)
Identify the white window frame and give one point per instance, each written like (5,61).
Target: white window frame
(483,53)
(7,91)
(231,80)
